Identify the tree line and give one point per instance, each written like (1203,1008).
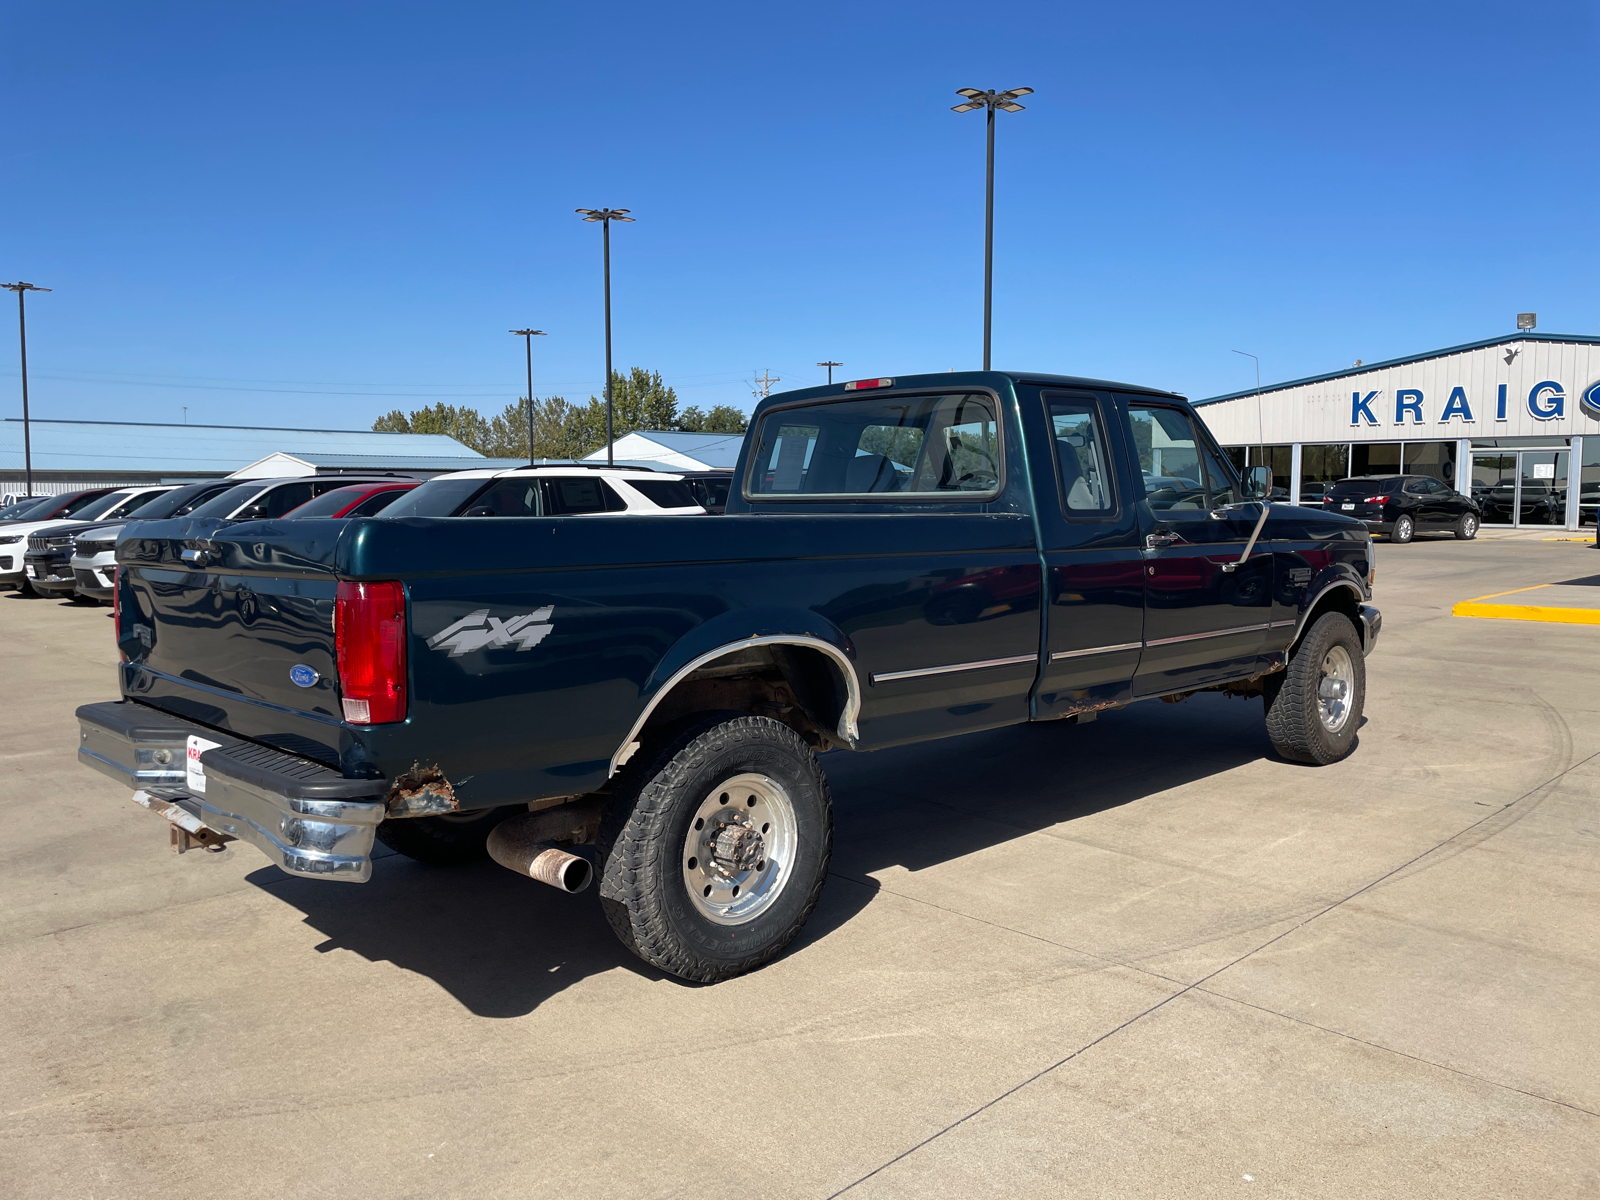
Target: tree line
(562,429)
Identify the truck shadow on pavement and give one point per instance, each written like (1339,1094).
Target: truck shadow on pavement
(502,945)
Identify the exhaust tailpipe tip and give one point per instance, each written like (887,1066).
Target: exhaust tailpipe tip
(510,846)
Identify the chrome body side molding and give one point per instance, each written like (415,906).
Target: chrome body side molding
(921,672)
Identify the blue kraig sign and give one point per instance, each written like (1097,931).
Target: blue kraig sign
(1547,401)
(1590,400)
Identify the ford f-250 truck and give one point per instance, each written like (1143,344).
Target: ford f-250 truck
(900,559)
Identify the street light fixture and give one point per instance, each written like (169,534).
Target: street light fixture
(830,366)
(1261,426)
(22,330)
(527,335)
(605,216)
(1006,102)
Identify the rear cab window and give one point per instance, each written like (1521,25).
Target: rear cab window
(891,446)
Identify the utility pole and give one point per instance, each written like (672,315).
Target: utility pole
(527,335)
(830,366)
(1006,102)
(605,216)
(762,384)
(22,330)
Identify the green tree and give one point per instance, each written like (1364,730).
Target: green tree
(640,400)
(723,418)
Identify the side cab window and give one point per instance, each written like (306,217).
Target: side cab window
(1180,468)
(1084,471)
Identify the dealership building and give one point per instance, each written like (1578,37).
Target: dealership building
(1513,421)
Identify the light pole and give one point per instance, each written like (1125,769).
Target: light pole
(1006,102)
(527,335)
(830,366)
(1261,426)
(22,289)
(605,216)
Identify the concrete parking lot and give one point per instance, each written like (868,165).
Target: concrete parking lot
(1136,958)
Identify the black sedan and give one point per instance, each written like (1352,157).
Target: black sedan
(1403,506)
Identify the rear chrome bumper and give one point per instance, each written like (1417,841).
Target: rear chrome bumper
(306,818)
(1371,626)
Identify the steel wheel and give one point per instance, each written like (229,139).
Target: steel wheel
(740,849)
(1335,683)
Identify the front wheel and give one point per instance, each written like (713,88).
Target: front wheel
(1314,705)
(714,850)
(1467,527)
(1404,529)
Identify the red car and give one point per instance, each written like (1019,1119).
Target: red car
(357,500)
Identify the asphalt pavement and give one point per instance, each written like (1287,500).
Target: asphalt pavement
(1136,958)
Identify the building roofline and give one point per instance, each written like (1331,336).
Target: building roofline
(1364,368)
(192,425)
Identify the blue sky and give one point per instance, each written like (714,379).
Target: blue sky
(309,214)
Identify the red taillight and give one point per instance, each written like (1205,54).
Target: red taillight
(1374,499)
(369,631)
(861,385)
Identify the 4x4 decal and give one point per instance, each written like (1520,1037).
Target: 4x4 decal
(478,629)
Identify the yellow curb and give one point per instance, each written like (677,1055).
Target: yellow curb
(1528,612)
(1587,540)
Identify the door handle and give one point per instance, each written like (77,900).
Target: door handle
(1159,541)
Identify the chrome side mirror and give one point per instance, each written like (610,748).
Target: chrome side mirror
(1257,483)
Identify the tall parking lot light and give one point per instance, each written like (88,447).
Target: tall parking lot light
(605,216)
(21,289)
(1006,102)
(527,335)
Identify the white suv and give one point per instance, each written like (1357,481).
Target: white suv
(549,492)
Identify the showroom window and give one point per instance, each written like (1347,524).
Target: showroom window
(1589,481)
(1279,458)
(1374,458)
(1437,459)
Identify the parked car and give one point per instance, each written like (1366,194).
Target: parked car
(48,561)
(17,507)
(499,682)
(710,488)
(1313,494)
(1403,506)
(549,492)
(94,560)
(267,499)
(85,503)
(356,500)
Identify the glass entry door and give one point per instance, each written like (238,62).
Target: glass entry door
(1521,487)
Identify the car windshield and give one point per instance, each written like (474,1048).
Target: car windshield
(132,505)
(176,502)
(225,504)
(99,506)
(665,493)
(436,498)
(328,503)
(22,508)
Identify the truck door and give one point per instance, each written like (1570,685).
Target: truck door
(1206,618)
(1094,570)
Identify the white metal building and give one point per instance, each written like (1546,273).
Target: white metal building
(1514,421)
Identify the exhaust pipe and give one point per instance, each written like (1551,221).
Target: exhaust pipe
(517,845)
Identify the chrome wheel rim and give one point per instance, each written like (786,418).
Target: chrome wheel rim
(740,849)
(1403,529)
(1469,524)
(1336,684)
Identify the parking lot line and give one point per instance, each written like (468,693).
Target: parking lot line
(1525,612)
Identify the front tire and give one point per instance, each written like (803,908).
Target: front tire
(713,851)
(1404,530)
(1467,527)
(1314,705)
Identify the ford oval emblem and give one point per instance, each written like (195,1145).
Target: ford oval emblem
(303,676)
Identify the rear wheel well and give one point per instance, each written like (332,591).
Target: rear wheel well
(796,685)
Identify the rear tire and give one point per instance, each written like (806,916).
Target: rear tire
(1314,705)
(1404,530)
(1467,527)
(714,848)
(446,841)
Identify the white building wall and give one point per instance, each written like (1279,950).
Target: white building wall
(1322,411)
